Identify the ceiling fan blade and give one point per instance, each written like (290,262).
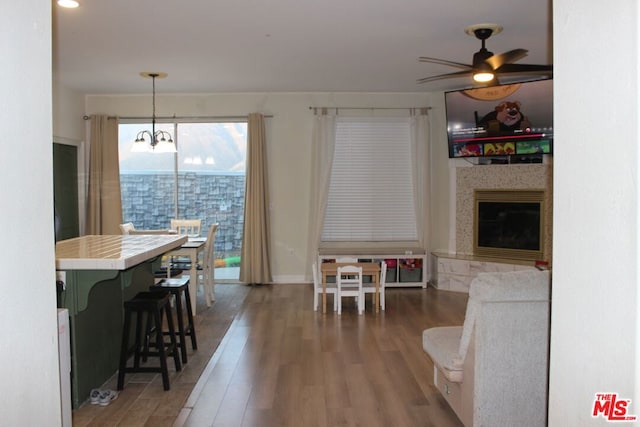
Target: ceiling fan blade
(497,61)
(525,69)
(444,76)
(445,62)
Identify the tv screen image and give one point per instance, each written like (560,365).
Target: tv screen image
(503,120)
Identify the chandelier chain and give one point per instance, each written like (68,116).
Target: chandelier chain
(160,141)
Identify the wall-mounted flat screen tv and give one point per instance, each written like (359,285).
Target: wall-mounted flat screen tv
(505,120)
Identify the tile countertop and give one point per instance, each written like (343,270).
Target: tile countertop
(118,252)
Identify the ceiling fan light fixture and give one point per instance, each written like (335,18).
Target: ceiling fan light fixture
(483,76)
(482,72)
(484,30)
(69,4)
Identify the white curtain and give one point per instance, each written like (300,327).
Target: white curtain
(421,176)
(323,143)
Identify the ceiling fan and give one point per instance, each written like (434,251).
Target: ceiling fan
(487,67)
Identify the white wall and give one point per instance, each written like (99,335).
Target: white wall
(70,129)
(289,150)
(29,375)
(594,321)
(68,109)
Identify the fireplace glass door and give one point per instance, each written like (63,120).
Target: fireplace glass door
(508,224)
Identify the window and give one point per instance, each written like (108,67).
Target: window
(371,196)
(205,179)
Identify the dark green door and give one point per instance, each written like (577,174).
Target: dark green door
(65,191)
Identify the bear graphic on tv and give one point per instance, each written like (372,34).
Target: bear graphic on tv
(506,118)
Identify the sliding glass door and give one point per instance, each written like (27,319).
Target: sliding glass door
(204,180)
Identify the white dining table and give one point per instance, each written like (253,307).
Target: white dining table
(192,248)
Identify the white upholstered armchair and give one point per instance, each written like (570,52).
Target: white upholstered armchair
(493,370)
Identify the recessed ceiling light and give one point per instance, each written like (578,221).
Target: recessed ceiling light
(71,4)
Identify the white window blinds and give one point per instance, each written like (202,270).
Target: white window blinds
(371,189)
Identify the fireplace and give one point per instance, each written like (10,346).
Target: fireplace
(519,178)
(509,224)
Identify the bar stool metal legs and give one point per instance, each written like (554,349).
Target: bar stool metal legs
(149,305)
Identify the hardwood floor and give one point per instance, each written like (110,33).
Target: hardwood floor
(282,364)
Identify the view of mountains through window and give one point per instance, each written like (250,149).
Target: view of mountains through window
(214,147)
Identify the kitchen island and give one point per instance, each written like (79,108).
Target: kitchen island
(99,273)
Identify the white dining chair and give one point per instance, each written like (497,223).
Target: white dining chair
(346,260)
(208,267)
(127,228)
(370,288)
(190,227)
(331,288)
(349,282)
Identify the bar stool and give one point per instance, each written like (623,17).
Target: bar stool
(179,287)
(149,305)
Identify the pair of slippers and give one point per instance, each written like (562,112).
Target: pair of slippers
(102,397)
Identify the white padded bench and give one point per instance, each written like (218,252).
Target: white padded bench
(493,369)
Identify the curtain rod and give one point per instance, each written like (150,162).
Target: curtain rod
(369,108)
(266,116)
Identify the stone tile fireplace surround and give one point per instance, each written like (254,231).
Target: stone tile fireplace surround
(454,271)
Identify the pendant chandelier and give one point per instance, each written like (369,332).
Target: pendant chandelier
(159,140)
